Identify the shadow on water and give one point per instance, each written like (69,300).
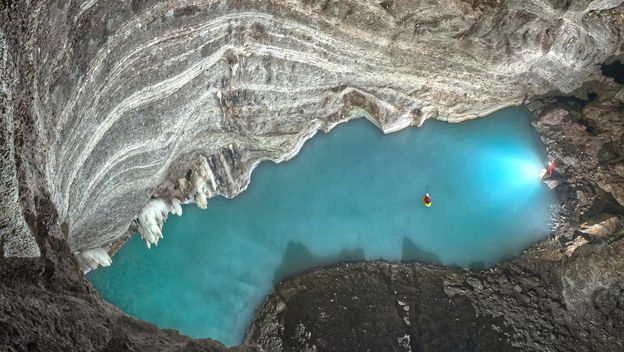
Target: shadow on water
(298,258)
(413,253)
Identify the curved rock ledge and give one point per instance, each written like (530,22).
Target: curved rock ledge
(123,98)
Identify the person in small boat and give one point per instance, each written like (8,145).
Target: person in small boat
(427,199)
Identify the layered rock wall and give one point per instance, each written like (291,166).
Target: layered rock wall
(128,97)
(12,222)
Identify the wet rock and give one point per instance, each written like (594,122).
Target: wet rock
(475,283)
(529,315)
(388,315)
(578,242)
(552,184)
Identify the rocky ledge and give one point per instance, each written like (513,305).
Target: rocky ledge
(563,294)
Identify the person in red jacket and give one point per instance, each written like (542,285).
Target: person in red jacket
(427,199)
(551,167)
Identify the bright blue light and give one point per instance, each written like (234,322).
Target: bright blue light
(523,171)
(509,171)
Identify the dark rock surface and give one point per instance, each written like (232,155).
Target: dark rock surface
(519,306)
(564,294)
(47,305)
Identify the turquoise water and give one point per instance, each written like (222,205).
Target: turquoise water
(351,194)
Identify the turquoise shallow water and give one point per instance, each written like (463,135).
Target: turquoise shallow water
(351,194)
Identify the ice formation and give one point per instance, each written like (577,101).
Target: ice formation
(198,186)
(202,175)
(151,219)
(90,259)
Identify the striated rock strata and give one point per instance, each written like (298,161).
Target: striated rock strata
(109,103)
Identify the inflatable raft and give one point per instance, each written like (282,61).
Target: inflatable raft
(427,204)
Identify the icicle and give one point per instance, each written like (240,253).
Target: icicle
(200,198)
(176,208)
(92,258)
(151,219)
(199,185)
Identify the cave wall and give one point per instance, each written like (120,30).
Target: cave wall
(105,105)
(123,98)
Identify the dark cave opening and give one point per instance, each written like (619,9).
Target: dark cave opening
(614,70)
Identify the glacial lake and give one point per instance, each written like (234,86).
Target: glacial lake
(352,194)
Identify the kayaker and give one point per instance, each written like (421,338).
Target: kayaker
(427,199)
